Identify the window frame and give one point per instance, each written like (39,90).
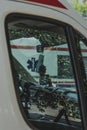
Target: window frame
(73,56)
(78,73)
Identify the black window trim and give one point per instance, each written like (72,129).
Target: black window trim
(78,76)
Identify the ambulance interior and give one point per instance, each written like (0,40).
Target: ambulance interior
(43,73)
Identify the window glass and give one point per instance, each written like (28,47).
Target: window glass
(43,73)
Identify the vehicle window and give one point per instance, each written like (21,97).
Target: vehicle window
(43,73)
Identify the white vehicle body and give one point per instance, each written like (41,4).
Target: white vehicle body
(10,115)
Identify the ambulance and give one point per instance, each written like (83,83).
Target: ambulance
(43,72)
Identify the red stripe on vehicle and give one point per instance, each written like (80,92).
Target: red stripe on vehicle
(55,3)
(23,47)
(47,48)
(63,83)
(33,48)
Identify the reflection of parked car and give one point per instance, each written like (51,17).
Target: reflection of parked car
(69,91)
(61,94)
